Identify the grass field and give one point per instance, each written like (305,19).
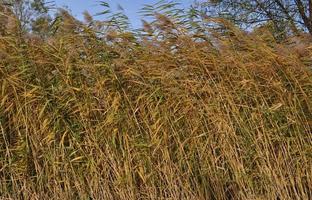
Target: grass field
(227,116)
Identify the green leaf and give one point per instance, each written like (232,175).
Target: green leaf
(103,12)
(104,4)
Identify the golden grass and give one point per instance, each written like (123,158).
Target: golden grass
(84,119)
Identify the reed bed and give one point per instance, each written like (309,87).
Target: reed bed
(223,117)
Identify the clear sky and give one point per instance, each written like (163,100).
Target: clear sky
(131,7)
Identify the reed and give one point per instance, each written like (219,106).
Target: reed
(167,115)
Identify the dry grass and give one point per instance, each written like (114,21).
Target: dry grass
(81,118)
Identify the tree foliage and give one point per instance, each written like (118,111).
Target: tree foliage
(285,16)
(30,14)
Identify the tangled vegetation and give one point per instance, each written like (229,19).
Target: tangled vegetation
(168,112)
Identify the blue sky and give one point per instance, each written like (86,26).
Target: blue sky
(131,7)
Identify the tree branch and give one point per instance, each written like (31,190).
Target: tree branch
(288,17)
(306,20)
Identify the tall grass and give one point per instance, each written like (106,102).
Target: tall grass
(168,115)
